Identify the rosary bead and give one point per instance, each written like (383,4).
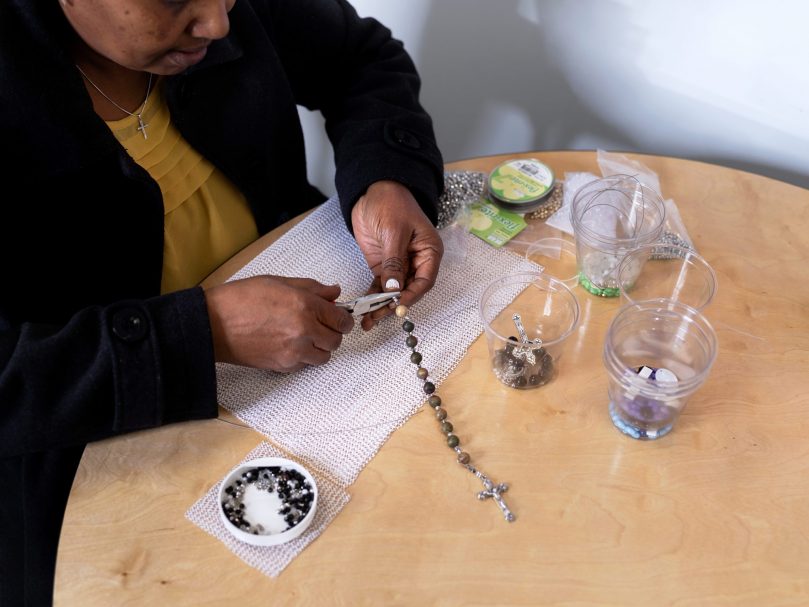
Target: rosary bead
(434,400)
(422,373)
(440,414)
(446,427)
(411,341)
(463,457)
(429,387)
(408,326)
(415,358)
(453,441)
(401,311)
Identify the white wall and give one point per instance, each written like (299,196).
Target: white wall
(715,80)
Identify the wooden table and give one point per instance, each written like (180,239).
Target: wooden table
(716,513)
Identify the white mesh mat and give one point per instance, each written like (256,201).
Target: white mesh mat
(336,416)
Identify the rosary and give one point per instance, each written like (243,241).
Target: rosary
(491,490)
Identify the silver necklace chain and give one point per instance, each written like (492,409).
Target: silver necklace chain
(139,115)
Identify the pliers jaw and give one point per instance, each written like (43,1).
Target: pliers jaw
(368,303)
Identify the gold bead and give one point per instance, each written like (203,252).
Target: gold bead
(421,373)
(401,311)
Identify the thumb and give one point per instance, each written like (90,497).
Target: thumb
(396,262)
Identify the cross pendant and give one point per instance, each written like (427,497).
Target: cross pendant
(142,126)
(495,492)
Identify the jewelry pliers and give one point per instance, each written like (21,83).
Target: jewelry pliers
(368,303)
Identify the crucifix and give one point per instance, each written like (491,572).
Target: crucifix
(142,126)
(495,492)
(525,351)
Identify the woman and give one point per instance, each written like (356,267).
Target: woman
(151,140)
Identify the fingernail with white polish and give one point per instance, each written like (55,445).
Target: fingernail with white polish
(392,284)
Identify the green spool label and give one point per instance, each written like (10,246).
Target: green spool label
(494,225)
(520,181)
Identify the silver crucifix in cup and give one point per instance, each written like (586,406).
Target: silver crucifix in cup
(524,351)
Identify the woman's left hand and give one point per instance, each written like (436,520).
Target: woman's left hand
(398,242)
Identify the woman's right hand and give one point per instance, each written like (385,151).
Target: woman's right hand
(276,323)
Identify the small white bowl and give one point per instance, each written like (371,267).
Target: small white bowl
(262,506)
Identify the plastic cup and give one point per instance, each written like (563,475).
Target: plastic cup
(657,354)
(666,271)
(547,311)
(611,217)
(557,256)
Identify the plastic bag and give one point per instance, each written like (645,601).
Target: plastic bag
(674,231)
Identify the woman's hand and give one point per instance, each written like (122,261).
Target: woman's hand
(398,241)
(276,323)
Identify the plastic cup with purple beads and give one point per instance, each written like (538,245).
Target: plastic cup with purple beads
(657,354)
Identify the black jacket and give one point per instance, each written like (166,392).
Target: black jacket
(88,347)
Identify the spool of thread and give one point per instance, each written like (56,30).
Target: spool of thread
(520,185)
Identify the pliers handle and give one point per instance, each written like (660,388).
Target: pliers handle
(368,303)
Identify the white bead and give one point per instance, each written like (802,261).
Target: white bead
(664,376)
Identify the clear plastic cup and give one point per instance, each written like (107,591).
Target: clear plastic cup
(611,217)
(557,256)
(547,312)
(666,271)
(657,354)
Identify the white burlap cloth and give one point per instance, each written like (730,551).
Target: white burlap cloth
(336,416)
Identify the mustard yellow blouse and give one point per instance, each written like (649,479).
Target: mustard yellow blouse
(207,219)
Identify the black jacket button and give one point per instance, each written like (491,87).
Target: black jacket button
(406,139)
(130,324)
